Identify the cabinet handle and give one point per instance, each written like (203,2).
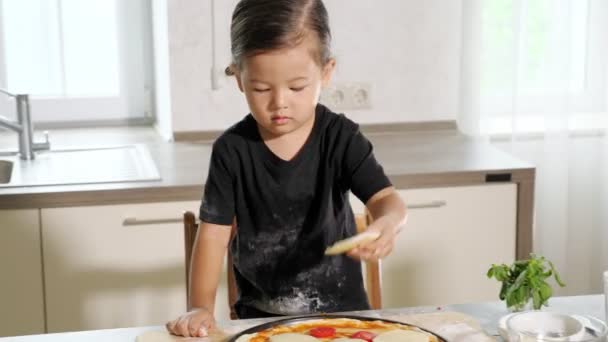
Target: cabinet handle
(133,221)
(431,204)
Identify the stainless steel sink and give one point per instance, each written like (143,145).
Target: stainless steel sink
(126,163)
(6,169)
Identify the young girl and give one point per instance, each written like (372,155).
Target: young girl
(283,173)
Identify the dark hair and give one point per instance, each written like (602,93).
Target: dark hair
(263,25)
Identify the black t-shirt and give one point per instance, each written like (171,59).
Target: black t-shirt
(288,212)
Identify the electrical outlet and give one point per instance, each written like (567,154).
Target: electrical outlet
(347,96)
(333,97)
(360,95)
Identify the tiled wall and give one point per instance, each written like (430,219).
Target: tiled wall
(409,50)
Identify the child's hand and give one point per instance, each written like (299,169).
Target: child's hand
(195,323)
(379,248)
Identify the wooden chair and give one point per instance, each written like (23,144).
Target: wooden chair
(372,269)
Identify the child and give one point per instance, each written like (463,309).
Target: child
(283,173)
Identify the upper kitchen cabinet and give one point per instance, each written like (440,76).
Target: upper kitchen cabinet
(115,266)
(21,293)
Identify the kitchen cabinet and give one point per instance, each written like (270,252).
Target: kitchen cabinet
(21,293)
(87,267)
(452,237)
(116,266)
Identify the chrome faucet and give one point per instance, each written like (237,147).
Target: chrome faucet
(23,126)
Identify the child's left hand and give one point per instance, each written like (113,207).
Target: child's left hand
(379,248)
(389,213)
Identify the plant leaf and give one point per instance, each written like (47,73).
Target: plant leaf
(537,302)
(503,291)
(557,277)
(521,279)
(545,292)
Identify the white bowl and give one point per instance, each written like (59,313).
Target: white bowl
(544,326)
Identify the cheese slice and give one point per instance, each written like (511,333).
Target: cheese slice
(292,337)
(345,339)
(346,245)
(402,336)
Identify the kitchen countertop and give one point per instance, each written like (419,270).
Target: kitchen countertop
(413,156)
(411,159)
(487,314)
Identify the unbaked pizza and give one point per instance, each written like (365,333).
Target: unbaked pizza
(340,330)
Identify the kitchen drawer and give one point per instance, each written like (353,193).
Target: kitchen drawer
(452,237)
(21,295)
(103,273)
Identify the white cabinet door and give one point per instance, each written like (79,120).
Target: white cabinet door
(101,273)
(452,237)
(21,294)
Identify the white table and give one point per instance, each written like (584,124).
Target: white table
(487,313)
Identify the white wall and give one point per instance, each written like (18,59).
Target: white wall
(409,50)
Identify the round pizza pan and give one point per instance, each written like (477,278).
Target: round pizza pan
(303,319)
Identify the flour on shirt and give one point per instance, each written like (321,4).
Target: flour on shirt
(300,301)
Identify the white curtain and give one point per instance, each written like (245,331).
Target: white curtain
(534,83)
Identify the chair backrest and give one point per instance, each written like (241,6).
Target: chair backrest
(373,269)
(373,276)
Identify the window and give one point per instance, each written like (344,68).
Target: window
(79,60)
(543,52)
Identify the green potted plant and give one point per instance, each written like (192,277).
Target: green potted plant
(525,282)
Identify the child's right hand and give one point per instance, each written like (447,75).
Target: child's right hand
(195,323)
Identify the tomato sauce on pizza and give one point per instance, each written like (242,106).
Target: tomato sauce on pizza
(341,330)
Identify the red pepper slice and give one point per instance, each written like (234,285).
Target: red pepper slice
(322,332)
(364,335)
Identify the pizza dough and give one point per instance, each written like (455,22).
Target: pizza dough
(402,336)
(244,338)
(292,337)
(346,245)
(340,330)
